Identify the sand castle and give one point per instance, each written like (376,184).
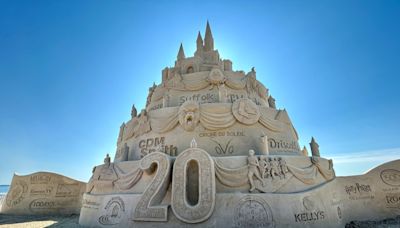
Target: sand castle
(211,149)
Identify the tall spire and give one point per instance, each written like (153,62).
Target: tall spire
(199,42)
(181,53)
(314,148)
(208,39)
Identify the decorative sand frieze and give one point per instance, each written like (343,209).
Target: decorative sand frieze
(44,193)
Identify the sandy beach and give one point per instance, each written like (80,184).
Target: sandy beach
(17,221)
(33,221)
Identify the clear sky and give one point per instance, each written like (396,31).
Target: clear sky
(71,70)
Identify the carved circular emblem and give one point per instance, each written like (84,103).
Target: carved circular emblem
(246,111)
(308,203)
(189,115)
(115,208)
(391,177)
(253,211)
(17,193)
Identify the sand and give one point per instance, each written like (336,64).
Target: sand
(15,221)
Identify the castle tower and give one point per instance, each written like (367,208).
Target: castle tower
(208,39)
(199,43)
(181,53)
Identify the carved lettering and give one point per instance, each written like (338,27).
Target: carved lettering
(309,216)
(151,145)
(200,98)
(357,189)
(40,179)
(222,133)
(40,190)
(283,145)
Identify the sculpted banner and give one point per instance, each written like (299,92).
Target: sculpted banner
(43,193)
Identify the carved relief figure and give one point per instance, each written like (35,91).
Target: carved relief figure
(107,160)
(264,166)
(275,172)
(253,164)
(189,115)
(283,167)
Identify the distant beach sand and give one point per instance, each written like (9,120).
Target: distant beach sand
(16,221)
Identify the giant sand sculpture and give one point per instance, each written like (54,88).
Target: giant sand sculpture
(211,149)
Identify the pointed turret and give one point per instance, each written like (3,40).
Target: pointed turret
(314,148)
(199,42)
(208,39)
(181,53)
(133,111)
(305,151)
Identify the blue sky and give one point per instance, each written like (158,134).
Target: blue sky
(71,70)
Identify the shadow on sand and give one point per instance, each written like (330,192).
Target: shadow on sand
(39,221)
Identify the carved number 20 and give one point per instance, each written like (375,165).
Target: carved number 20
(206,186)
(146,209)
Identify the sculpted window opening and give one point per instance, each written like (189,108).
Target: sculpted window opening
(192,183)
(189,70)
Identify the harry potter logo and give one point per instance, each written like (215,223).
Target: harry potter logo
(357,189)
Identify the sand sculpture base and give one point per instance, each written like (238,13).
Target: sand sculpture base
(195,188)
